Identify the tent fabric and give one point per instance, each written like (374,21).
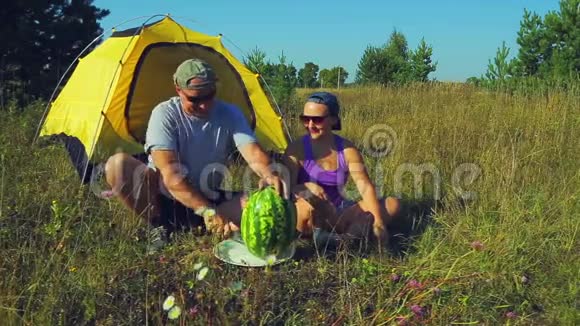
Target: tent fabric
(107,102)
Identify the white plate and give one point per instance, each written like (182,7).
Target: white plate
(235,252)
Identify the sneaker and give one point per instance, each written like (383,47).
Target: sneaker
(157,240)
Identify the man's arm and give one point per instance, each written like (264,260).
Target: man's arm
(257,159)
(261,164)
(175,180)
(178,186)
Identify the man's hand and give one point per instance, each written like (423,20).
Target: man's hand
(218,224)
(260,163)
(276,182)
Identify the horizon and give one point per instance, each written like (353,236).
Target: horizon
(480,28)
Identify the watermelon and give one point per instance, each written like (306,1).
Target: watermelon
(268,223)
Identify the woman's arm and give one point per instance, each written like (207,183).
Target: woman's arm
(365,187)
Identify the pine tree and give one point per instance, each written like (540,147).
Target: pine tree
(563,35)
(395,63)
(533,49)
(371,66)
(500,68)
(421,63)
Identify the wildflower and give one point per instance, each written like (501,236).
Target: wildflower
(270,260)
(477,245)
(402,321)
(72,269)
(169,303)
(174,312)
(511,315)
(414,284)
(418,310)
(525,279)
(193,311)
(162,259)
(202,273)
(395,277)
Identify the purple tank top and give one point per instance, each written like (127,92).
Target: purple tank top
(331,181)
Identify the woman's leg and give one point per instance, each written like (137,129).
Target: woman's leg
(304,217)
(357,220)
(314,213)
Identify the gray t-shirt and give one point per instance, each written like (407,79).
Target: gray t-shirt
(202,145)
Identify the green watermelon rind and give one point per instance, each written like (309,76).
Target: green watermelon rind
(268,224)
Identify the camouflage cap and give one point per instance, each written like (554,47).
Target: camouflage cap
(194,68)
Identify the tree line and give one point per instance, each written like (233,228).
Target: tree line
(390,63)
(39,39)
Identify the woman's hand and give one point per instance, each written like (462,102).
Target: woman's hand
(322,208)
(312,191)
(379,231)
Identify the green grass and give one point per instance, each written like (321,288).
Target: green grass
(67,257)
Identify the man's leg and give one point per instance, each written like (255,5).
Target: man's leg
(135,184)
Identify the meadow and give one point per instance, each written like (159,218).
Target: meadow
(490,185)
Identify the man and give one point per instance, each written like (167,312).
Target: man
(188,140)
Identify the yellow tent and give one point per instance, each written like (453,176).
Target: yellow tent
(105,105)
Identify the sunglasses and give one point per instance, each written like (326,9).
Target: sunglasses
(314,118)
(202,98)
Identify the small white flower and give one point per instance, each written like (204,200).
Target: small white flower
(168,303)
(202,273)
(174,312)
(270,259)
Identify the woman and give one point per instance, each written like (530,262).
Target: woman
(320,163)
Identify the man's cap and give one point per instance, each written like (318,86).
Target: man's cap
(331,102)
(194,68)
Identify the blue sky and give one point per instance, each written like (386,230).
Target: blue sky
(464,34)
